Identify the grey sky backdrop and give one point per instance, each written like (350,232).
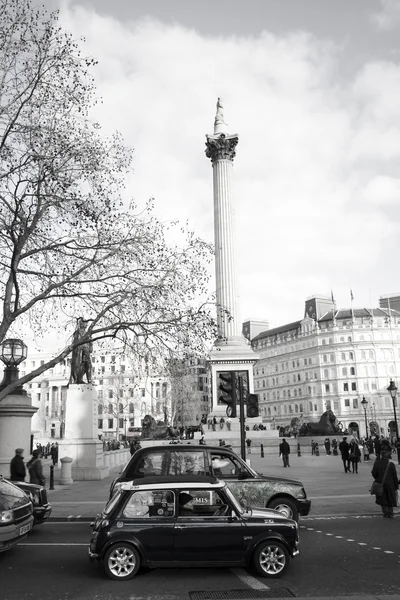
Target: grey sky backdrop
(312,87)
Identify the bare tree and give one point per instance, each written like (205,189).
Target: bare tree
(69,245)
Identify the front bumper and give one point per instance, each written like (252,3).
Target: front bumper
(41,513)
(303,506)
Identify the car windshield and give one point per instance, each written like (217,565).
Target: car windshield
(241,509)
(10,495)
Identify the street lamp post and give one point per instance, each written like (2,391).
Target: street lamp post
(392,389)
(125,422)
(364,405)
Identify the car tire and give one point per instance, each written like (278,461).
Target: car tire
(286,507)
(271,559)
(121,561)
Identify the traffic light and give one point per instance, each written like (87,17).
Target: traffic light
(252,405)
(227,392)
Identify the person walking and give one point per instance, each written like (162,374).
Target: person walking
(384,471)
(54,454)
(35,468)
(377,447)
(284,450)
(366,451)
(327,444)
(17,467)
(344,450)
(248,443)
(354,455)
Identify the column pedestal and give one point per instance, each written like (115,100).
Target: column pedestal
(16,412)
(81,442)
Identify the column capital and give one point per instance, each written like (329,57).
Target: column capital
(221,147)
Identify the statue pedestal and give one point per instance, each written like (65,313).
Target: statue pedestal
(16,412)
(81,441)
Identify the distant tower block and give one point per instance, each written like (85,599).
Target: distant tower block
(231,350)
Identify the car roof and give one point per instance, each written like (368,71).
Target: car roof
(183,447)
(178,482)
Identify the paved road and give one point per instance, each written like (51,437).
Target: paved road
(339,556)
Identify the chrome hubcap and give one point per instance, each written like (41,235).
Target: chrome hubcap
(272,560)
(284,509)
(121,562)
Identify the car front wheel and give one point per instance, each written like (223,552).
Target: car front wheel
(286,507)
(271,559)
(121,561)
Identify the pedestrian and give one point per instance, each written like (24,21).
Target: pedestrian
(377,447)
(312,447)
(366,451)
(35,468)
(17,467)
(248,443)
(284,450)
(344,450)
(229,423)
(354,455)
(54,453)
(385,472)
(327,444)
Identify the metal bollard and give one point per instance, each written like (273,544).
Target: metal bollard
(51,477)
(262,450)
(298,449)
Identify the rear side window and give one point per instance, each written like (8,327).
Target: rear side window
(151,463)
(150,504)
(225,467)
(187,463)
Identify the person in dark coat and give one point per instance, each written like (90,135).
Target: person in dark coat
(354,455)
(35,468)
(284,450)
(17,467)
(344,449)
(377,447)
(390,484)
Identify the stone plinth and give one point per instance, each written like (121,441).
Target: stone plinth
(66,471)
(81,442)
(16,412)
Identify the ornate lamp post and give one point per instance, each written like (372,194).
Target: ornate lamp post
(13,352)
(364,405)
(392,389)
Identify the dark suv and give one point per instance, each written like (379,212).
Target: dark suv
(16,517)
(288,496)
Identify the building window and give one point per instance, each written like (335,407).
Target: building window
(355,402)
(344,371)
(327,387)
(353,386)
(110,393)
(121,407)
(131,408)
(345,387)
(352,371)
(122,368)
(121,423)
(110,408)
(110,423)
(143,392)
(100,409)
(100,394)
(112,368)
(347,403)
(100,424)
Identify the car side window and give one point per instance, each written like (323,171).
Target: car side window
(150,504)
(150,463)
(187,463)
(201,503)
(225,467)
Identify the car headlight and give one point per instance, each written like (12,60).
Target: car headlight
(301,493)
(6,516)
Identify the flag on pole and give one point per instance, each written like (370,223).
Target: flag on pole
(351,295)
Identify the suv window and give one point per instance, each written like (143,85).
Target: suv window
(152,463)
(225,467)
(187,463)
(150,504)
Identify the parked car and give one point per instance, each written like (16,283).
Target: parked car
(188,522)
(16,514)
(288,496)
(38,495)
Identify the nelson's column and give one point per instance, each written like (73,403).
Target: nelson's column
(232,358)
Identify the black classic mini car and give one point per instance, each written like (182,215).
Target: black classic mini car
(288,496)
(189,522)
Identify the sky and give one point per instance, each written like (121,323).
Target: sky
(311,87)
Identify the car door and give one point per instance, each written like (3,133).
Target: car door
(203,536)
(149,516)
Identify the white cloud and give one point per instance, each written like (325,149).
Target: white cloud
(313,162)
(388,17)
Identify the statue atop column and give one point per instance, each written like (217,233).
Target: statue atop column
(81,364)
(219,123)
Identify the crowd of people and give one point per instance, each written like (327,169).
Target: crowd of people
(34,466)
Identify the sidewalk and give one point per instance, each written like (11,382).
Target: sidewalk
(332,492)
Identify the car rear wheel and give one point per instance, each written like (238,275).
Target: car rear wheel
(271,559)
(121,561)
(286,507)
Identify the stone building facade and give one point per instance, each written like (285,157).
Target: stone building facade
(330,359)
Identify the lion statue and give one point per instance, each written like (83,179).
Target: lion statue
(327,425)
(156,430)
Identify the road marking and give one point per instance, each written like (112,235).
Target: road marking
(252,582)
(339,537)
(329,534)
(349,540)
(376,548)
(74,502)
(388,552)
(362,544)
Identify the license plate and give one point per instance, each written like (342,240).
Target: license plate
(24,529)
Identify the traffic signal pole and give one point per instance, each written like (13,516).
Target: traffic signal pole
(241,419)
